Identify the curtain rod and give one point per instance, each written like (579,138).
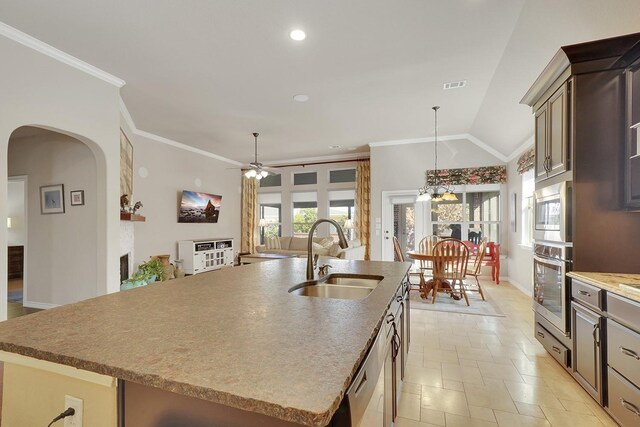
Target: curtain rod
(319,163)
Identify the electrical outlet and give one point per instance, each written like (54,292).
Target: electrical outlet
(77,404)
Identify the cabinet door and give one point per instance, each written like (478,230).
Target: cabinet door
(541,143)
(632,174)
(557,131)
(587,351)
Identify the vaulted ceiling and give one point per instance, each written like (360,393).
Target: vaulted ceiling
(208,73)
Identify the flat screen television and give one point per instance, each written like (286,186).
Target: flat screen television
(199,207)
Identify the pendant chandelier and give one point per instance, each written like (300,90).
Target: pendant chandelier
(436,191)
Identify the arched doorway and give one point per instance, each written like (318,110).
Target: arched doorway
(59,220)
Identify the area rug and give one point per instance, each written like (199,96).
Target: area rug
(446,303)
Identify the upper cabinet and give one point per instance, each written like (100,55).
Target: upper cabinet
(552,126)
(632,157)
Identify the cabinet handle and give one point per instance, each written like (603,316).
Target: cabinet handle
(596,329)
(556,349)
(629,353)
(363,381)
(399,298)
(390,318)
(584,293)
(540,334)
(630,407)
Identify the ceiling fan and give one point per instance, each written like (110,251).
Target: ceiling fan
(256,169)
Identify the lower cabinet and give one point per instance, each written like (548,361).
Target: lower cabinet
(587,354)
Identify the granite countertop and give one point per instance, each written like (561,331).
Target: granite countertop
(233,336)
(610,282)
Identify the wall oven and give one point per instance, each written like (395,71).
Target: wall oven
(551,291)
(552,213)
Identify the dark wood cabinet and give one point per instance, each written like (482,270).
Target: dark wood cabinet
(632,158)
(587,355)
(15,262)
(552,133)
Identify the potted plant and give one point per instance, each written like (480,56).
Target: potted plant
(148,272)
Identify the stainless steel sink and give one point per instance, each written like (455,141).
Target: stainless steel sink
(340,286)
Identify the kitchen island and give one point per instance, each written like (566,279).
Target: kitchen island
(234,337)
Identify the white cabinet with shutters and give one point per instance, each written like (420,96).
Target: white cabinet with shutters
(199,256)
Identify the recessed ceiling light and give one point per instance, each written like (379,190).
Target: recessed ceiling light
(298,35)
(301,98)
(335,147)
(454,85)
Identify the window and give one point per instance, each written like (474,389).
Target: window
(270,209)
(342,175)
(305,212)
(473,216)
(306,178)
(342,208)
(528,187)
(271,180)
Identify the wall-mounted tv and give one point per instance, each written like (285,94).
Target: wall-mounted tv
(199,207)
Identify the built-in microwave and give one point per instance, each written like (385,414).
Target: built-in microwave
(552,213)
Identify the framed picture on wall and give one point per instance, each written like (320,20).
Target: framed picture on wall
(77,198)
(126,165)
(52,199)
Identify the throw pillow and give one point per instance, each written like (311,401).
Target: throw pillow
(272,242)
(319,249)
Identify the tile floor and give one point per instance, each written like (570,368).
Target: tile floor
(479,371)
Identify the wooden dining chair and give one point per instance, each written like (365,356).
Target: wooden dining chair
(399,257)
(450,261)
(426,246)
(474,269)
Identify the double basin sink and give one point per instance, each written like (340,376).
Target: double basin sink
(340,286)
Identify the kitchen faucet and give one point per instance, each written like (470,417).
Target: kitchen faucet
(342,241)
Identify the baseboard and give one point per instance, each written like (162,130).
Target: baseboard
(518,286)
(40,305)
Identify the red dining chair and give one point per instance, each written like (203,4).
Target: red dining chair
(493,260)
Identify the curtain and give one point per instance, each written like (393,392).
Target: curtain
(481,175)
(363,203)
(249,214)
(526,162)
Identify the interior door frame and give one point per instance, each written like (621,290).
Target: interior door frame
(24,179)
(404,196)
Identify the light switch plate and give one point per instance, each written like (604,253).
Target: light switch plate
(77,404)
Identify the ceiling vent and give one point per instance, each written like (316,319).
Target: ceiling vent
(455,85)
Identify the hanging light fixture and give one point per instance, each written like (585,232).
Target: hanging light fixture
(256,169)
(436,191)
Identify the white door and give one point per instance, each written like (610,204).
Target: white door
(402,217)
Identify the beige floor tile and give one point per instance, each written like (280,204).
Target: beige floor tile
(432,364)
(424,376)
(437,355)
(534,394)
(479,354)
(490,396)
(502,371)
(432,416)
(409,406)
(480,413)
(460,421)
(468,362)
(411,388)
(469,374)
(573,406)
(452,385)
(507,419)
(529,409)
(451,401)
(405,422)
(562,418)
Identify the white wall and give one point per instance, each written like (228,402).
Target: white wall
(15,210)
(403,167)
(170,171)
(61,256)
(41,91)
(520,258)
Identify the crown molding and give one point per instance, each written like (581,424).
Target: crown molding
(530,142)
(129,120)
(486,147)
(334,157)
(40,46)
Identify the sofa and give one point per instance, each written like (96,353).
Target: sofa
(323,246)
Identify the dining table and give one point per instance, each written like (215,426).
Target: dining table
(426,286)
